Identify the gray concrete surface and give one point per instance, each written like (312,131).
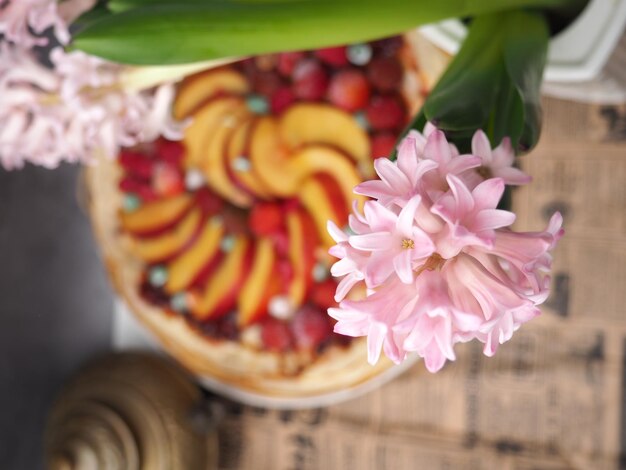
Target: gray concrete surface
(55,303)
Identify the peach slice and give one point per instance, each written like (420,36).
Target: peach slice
(155,215)
(260,285)
(302,244)
(316,200)
(320,159)
(168,244)
(205,121)
(238,148)
(268,157)
(220,293)
(184,269)
(198,88)
(284,173)
(315,123)
(213,162)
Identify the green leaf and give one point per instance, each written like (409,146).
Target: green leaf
(123,5)
(99,12)
(494,82)
(176,32)
(464,96)
(525,53)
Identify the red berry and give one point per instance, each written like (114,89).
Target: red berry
(386,112)
(335,56)
(137,164)
(276,335)
(208,202)
(383,144)
(388,46)
(131,184)
(285,271)
(170,151)
(310,326)
(349,90)
(385,73)
(266,218)
(147,194)
(266,83)
(281,242)
(287,62)
(167,180)
(310,80)
(323,294)
(281,100)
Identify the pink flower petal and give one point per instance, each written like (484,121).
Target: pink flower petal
(512,175)
(402,266)
(482,147)
(490,219)
(488,193)
(335,232)
(377,241)
(437,147)
(391,175)
(406,219)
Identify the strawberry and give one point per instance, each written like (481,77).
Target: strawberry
(167,179)
(136,163)
(385,73)
(208,202)
(323,294)
(281,100)
(310,327)
(349,90)
(310,80)
(276,335)
(386,112)
(266,83)
(287,62)
(170,151)
(335,56)
(383,144)
(266,218)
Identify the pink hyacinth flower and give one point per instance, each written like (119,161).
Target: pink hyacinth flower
(439,261)
(74,112)
(498,163)
(471,217)
(375,317)
(395,242)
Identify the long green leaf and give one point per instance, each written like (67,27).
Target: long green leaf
(494,82)
(525,53)
(181,33)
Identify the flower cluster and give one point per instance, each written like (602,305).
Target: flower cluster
(437,258)
(75,110)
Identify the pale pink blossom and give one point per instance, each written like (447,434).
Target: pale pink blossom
(375,316)
(472,278)
(24,21)
(74,111)
(496,163)
(471,217)
(395,242)
(351,264)
(423,163)
(435,321)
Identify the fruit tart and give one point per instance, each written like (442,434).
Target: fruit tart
(218,243)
